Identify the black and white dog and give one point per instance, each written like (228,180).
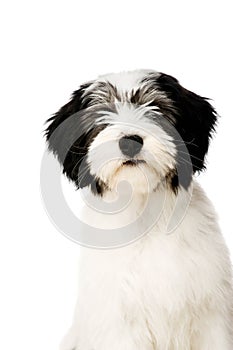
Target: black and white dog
(170,289)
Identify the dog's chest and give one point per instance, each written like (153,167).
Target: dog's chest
(149,289)
(154,274)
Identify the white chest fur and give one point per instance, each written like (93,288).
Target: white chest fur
(163,292)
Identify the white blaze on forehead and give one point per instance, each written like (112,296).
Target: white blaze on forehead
(126,81)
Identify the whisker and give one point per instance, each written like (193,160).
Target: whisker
(186,162)
(78,162)
(180,142)
(191,155)
(79,147)
(78,153)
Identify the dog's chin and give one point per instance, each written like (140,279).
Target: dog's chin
(137,173)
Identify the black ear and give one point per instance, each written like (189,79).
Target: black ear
(195,119)
(68,137)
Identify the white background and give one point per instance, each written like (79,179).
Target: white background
(47,49)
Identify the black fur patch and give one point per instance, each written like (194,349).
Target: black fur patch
(195,121)
(69,135)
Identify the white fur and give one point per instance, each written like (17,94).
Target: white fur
(164,291)
(125,81)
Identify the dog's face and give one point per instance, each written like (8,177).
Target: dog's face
(139,126)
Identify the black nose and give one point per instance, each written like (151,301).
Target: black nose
(130,145)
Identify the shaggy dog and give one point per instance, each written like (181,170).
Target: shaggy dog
(166,282)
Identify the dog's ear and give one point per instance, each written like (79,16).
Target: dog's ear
(67,136)
(195,119)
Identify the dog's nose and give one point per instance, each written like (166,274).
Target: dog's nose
(130,145)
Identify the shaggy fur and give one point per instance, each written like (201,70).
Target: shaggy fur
(163,291)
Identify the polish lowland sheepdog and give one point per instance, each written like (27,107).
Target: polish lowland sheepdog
(165,283)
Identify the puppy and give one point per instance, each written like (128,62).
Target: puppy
(135,140)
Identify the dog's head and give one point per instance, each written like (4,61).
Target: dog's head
(134,125)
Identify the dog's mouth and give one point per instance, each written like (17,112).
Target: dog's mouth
(133,162)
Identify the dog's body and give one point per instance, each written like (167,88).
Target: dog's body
(163,291)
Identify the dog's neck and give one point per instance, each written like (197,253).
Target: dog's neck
(124,205)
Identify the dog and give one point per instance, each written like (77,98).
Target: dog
(165,283)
